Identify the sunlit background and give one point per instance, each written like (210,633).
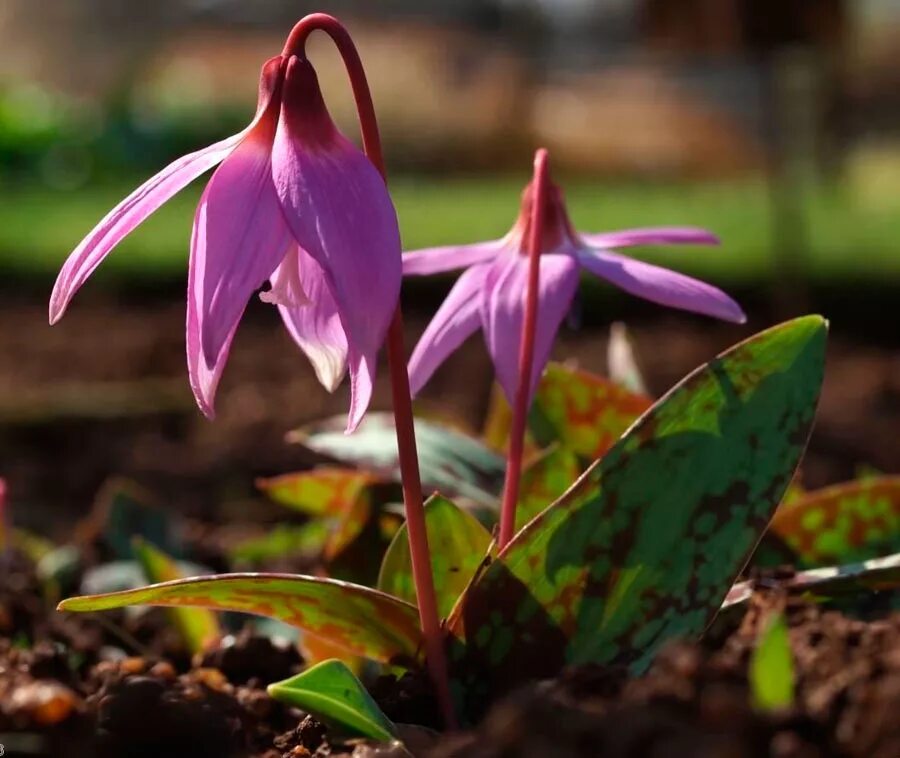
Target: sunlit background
(775,123)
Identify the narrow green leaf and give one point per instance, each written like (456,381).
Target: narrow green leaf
(123,509)
(363,621)
(458,543)
(450,461)
(332,693)
(646,546)
(581,411)
(348,526)
(844,523)
(197,626)
(771,671)
(324,491)
(281,541)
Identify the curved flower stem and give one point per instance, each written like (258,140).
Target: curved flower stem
(526,355)
(402,402)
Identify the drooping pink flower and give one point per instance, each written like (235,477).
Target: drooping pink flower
(490,293)
(293,202)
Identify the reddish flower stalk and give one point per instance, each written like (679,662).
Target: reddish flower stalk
(526,354)
(396,351)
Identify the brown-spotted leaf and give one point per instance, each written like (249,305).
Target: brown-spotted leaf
(581,411)
(457,543)
(648,542)
(850,522)
(362,621)
(324,491)
(544,481)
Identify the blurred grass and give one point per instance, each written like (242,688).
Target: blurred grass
(849,234)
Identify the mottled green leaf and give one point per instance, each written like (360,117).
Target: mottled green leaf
(197,626)
(581,411)
(845,523)
(324,491)
(771,671)
(497,420)
(449,460)
(544,481)
(457,542)
(647,544)
(363,621)
(123,510)
(348,527)
(331,693)
(281,541)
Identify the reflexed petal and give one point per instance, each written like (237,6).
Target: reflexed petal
(316,327)
(362,380)
(339,211)
(660,285)
(241,238)
(122,219)
(661,235)
(433,260)
(503,311)
(135,208)
(204,380)
(456,319)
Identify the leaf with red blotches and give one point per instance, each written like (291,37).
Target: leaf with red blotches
(645,547)
(581,411)
(323,491)
(457,542)
(358,619)
(544,481)
(845,523)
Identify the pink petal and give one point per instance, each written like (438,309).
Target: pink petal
(362,381)
(147,198)
(660,285)
(122,219)
(204,380)
(241,238)
(287,288)
(661,235)
(316,327)
(433,260)
(503,311)
(456,319)
(339,211)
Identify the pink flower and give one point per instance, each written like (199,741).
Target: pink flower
(293,202)
(490,293)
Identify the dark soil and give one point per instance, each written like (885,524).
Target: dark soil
(105,393)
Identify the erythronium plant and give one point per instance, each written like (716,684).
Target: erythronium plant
(295,203)
(519,289)
(643,548)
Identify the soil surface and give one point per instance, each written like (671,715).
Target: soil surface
(105,393)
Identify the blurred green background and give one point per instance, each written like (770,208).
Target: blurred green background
(773,123)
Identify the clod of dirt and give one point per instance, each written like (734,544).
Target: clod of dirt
(408,699)
(149,711)
(252,659)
